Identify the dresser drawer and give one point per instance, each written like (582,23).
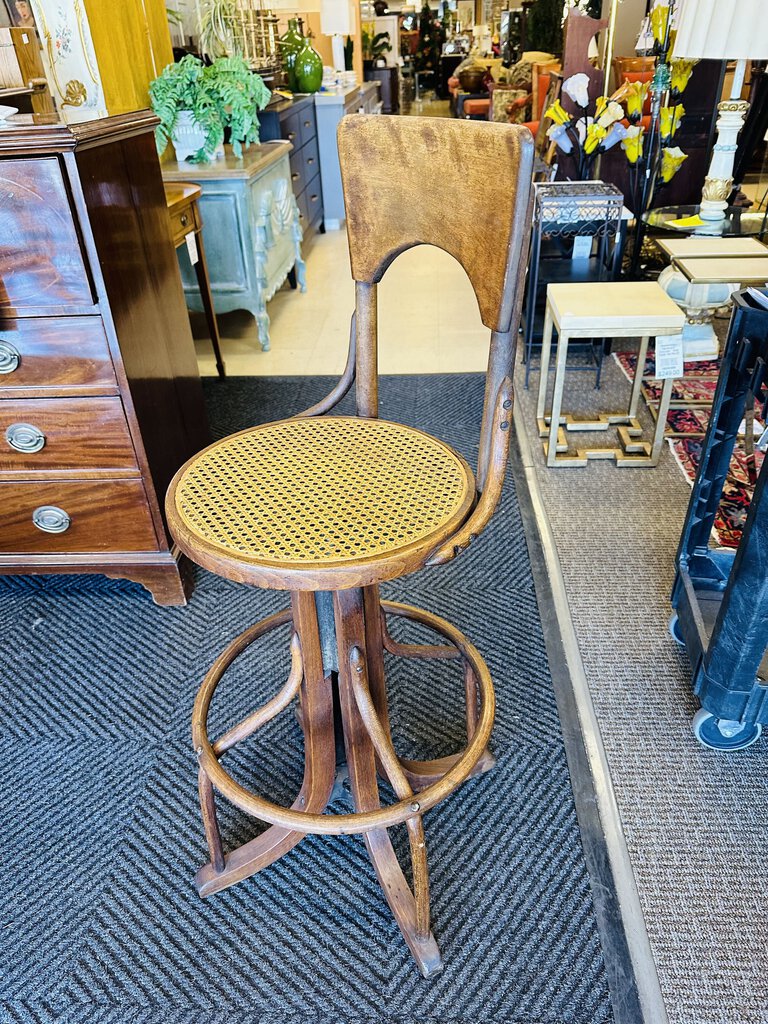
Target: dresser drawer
(39,247)
(310,160)
(298,177)
(311,204)
(48,352)
(104,515)
(290,128)
(307,127)
(69,434)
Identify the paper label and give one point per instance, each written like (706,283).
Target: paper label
(191,247)
(24,38)
(582,247)
(669,356)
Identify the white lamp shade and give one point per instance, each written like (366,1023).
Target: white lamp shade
(722,29)
(337,17)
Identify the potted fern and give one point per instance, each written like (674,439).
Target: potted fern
(196,104)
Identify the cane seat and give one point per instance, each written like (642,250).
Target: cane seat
(340,496)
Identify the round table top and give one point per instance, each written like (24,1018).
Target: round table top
(738,221)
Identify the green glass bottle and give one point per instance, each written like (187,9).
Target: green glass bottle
(290,44)
(308,68)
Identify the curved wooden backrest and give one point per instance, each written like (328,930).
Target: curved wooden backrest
(460,185)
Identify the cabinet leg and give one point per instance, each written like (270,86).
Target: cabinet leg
(262,326)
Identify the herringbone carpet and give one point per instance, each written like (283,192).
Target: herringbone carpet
(102,838)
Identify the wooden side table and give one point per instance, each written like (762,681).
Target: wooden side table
(611,309)
(184,214)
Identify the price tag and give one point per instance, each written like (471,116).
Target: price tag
(582,247)
(669,356)
(192,247)
(24,38)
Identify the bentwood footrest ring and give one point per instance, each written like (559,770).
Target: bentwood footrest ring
(418,785)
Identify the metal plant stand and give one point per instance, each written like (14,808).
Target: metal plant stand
(562,212)
(720,595)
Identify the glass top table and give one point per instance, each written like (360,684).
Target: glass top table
(737,223)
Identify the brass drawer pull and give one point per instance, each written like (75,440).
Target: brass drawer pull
(184,220)
(9,357)
(25,437)
(310,159)
(51,519)
(307,124)
(291,136)
(295,176)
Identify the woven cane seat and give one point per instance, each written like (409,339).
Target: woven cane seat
(318,494)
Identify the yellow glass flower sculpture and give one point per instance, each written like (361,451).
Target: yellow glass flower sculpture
(670,118)
(671,159)
(635,98)
(659,19)
(557,113)
(607,111)
(595,135)
(681,73)
(632,144)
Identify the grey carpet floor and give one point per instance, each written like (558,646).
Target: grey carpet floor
(101,834)
(696,821)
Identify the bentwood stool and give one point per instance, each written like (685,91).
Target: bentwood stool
(611,309)
(328,507)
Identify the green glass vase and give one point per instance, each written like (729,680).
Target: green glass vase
(290,44)
(308,68)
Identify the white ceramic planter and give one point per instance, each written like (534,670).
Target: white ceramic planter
(188,138)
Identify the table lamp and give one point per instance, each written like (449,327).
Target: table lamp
(723,30)
(337,19)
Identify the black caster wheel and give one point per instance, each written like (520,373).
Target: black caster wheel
(720,734)
(674,630)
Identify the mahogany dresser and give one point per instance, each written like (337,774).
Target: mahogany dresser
(100,397)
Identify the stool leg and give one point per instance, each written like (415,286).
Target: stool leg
(557,398)
(316,698)
(411,912)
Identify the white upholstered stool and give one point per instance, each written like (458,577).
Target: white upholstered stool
(609,309)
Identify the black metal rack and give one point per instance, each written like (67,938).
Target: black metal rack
(721,594)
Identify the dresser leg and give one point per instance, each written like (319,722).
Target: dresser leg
(170,584)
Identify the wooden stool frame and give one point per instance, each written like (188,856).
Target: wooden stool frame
(337,619)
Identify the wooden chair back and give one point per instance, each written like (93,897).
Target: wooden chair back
(480,214)
(540,85)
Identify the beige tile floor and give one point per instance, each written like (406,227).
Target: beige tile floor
(428,319)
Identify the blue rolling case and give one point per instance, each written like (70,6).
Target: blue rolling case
(720,595)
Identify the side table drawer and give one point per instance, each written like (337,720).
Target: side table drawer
(65,434)
(182,222)
(62,516)
(51,352)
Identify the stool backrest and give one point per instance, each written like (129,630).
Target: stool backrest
(463,186)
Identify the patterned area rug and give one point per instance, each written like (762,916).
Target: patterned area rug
(686,428)
(102,838)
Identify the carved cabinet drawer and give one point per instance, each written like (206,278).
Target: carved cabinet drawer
(182,222)
(63,516)
(65,434)
(52,352)
(43,264)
